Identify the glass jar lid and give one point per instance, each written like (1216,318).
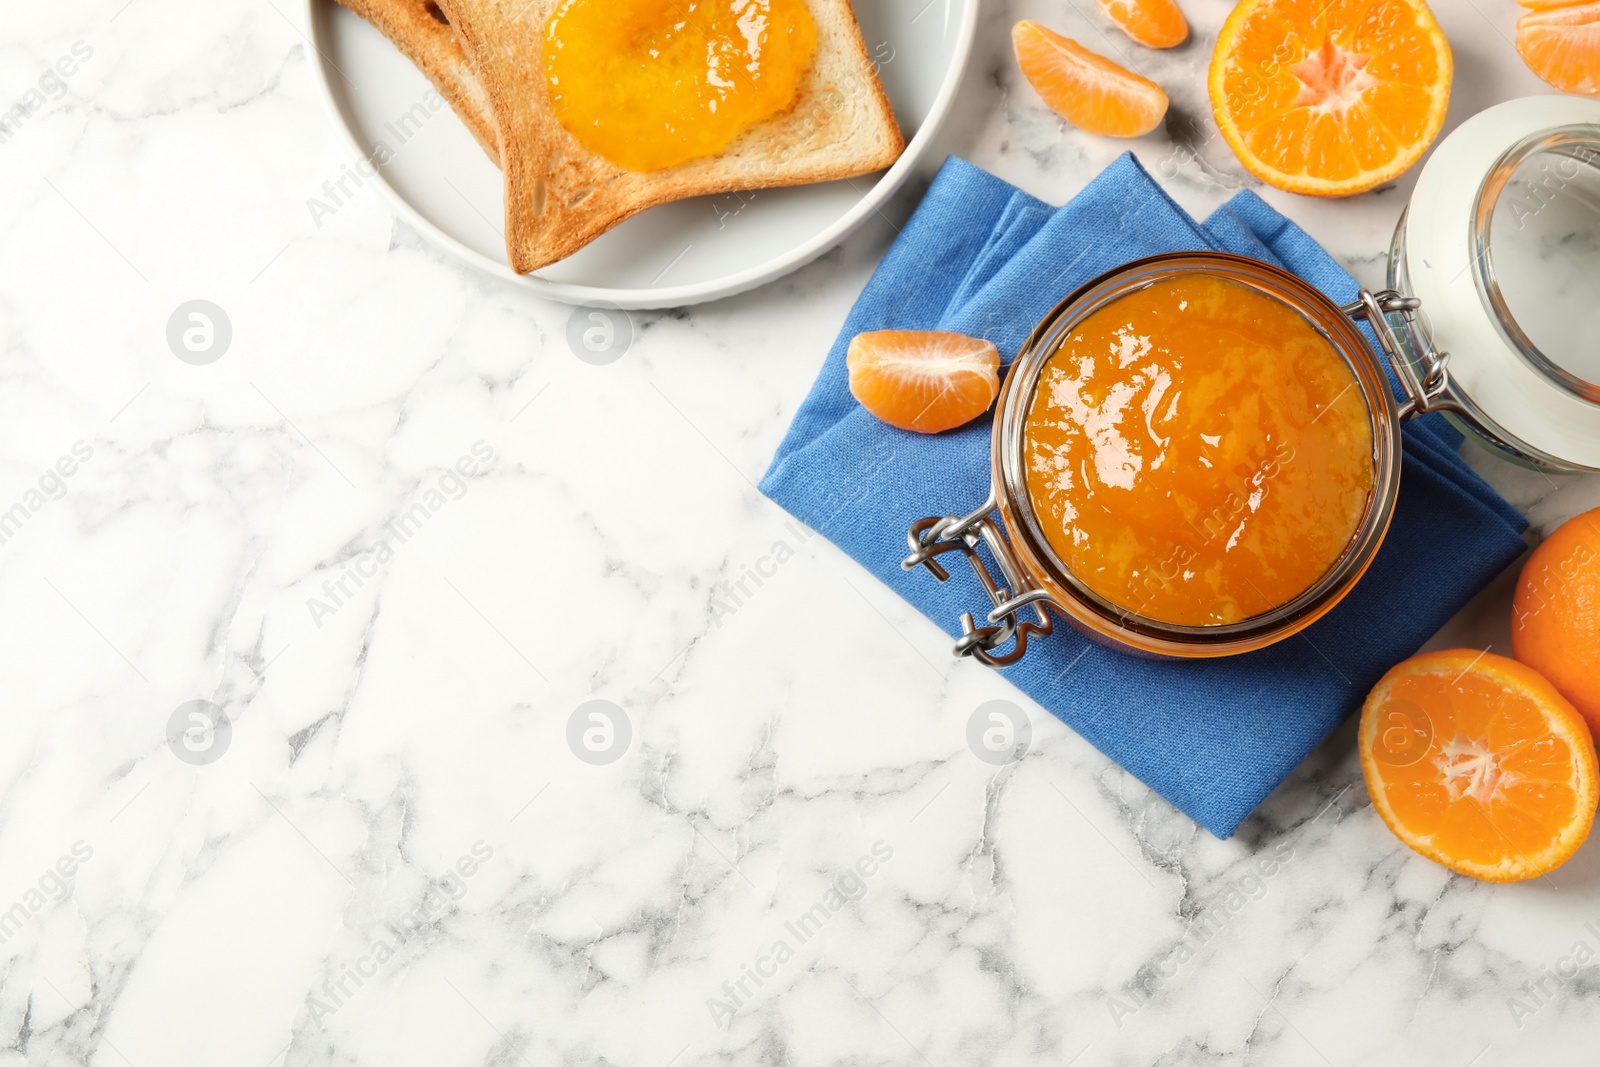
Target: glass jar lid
(1537,252)
(1501,244)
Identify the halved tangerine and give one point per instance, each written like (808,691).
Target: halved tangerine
(1561,44)
(1085,88)
(1153,23)
(923,380)
(1477,762)
(1330,99)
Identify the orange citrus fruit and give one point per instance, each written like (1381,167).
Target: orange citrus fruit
(1561,44)
(1086,89)
(1476,761)
(923,380)
(1330,99)
(1555,616)
(1153,23)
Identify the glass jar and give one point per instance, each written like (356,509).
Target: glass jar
(1034,581)
(1501,244)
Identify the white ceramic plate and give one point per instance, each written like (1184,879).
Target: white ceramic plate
(441,182)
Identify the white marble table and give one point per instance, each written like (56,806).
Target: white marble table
(396,858)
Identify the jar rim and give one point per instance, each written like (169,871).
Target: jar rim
(1097,615)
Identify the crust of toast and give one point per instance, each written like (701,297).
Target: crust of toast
(422,33)
(560,196)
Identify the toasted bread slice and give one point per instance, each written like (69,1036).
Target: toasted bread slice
(422,32)
(560,195)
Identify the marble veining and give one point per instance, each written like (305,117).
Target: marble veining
(397,687)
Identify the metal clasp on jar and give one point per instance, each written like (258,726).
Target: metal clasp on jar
(1386,310)
(933,537)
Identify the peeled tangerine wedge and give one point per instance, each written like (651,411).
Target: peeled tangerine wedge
(1477,762)
(923,380)
(1153,23)
(1086,89)
(1330,98)
(1561,44)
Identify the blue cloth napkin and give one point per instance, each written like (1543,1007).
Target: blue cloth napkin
(1213,737)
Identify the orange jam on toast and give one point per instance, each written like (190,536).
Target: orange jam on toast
(648,84)
(1197,452)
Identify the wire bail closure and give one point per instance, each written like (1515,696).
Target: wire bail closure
(932,537)
(1384,310)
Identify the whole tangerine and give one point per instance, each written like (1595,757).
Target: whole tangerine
(1555,616)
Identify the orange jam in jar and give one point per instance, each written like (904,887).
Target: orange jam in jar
(1197,452)
(649,84)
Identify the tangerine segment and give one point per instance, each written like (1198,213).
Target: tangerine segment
(1555,617)
(1152,23)
(1478,763)
(1562,46)
(1330,99)
(648,84)
(923,380)
(1086,89)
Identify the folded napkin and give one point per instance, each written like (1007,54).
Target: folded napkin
(1213,737)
